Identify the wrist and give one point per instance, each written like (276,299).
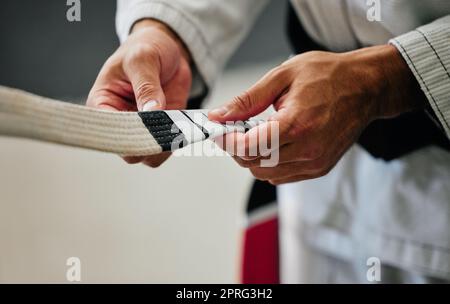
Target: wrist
(395,87)
(153,23)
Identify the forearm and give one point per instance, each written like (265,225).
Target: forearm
(210,29)
(399,90)
(427,55)
(383,80)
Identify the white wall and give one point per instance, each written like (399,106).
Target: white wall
(179,223)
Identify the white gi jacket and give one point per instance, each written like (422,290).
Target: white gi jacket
(397,211)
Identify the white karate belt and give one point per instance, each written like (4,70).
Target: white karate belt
(125,133)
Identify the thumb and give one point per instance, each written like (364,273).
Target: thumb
(253,101)
(146,83)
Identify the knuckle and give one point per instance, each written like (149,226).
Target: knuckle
(277,72)
(131,160)
(243,101)
(90,101)
(307,155)
(295,128)
(240,162)
(318,166)
(318,151)
(258,174)
(240,147)
(275,182)
(140,52)
(250,163)
(327,170)
(145,89)
(283,71)
(313,153)
(156,161)
(96,95)
(324,171)
(113,62)
(153,163)
(314,56)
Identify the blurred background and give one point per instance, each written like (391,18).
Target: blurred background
(180,223)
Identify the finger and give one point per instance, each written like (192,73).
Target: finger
(282,128)
(177,90)
(306,150)
(108,100)
(253,101)
(132,159)
(292,179)
(248,163)
(260,161)
(143,69)
(238,145)
(288,153)
(259,141)
(282,171)
(111,90)
(156,160)
(230,143)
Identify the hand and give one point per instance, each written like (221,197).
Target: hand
(323,102)
(149,71)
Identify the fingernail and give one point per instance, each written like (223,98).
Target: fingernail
(150,105)
(219,112)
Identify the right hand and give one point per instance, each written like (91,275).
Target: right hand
(150,71)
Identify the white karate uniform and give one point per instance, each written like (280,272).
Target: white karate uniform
(399,211)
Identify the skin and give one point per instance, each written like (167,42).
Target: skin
(153,65)
(323,100)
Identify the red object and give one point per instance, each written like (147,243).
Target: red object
(260,262)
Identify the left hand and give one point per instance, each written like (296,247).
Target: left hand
(323,101)
(149,71)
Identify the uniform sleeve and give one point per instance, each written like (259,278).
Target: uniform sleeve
(211,29)
(427,52)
